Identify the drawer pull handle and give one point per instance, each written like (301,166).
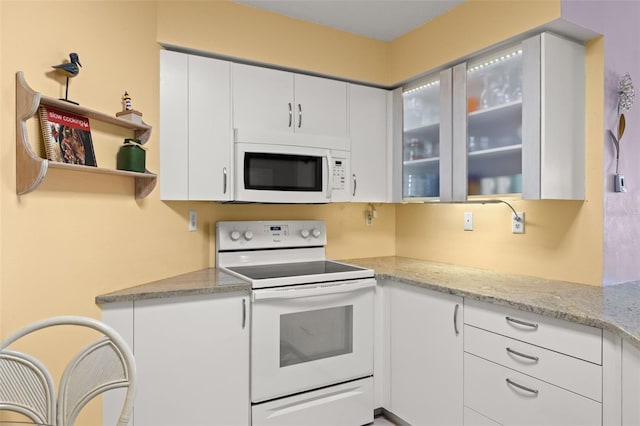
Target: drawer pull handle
(520,354)
(520,322)
(522,387)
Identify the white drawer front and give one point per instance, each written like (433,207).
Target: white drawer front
(487,391)
(561,370)
(573,339)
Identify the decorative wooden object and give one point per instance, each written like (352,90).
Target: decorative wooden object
(31,168)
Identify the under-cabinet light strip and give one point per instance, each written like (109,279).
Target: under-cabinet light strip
(496,60)
(424,86)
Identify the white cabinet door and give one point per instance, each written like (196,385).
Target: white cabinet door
(630,384)
(320,107)
(192,357)
(426,356)
(210,132)
(553,120)
(269,100)
(368,134)
(262,99)
(195,128)
(174,126)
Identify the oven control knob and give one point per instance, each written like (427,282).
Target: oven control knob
(315,232)
(235,236)
(248,235)
(304,233)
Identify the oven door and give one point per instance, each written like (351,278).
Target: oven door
(309,336)
(282,174)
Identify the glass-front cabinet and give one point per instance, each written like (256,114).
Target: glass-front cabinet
(494,123)
(510,121)
(421,140)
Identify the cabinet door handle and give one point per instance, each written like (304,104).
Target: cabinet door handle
(522,387)
(355,184)
(299,116)
(455,319)
(520,322)
(290,114)
(520,354)
(224,180)
(244,312)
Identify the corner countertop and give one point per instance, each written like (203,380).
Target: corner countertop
(205,281)
(614,308)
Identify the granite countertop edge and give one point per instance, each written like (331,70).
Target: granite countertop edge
(615,309)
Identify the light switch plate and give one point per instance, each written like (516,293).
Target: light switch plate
(468,221)
(193,220)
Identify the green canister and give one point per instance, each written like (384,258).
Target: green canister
(131,156)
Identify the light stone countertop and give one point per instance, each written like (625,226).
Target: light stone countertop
(205,281)
(614,308)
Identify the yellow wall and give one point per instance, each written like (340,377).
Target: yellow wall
(468,28)
(245,32)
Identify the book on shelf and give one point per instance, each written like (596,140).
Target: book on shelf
(67,137)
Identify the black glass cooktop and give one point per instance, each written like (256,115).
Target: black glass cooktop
(282,270)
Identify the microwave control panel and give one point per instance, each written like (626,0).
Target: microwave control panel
(339,175)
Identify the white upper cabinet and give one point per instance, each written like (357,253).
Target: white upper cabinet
(368,134)
(553,122)
(269,100)
(507,122)
(195,127)
(426,141)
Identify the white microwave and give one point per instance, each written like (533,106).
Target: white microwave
(273,173)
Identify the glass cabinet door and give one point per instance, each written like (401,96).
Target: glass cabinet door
(494,123)
(421,140)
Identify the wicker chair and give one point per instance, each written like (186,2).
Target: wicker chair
(26,386)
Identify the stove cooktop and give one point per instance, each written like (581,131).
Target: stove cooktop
(298,269)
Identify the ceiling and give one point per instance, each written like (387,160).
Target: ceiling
(378,19)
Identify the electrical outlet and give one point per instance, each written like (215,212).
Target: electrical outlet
(468,221)
(517,223)
(193,220)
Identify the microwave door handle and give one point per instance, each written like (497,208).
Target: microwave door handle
(310,291)
(329,175)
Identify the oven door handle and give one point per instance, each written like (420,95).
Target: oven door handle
(312,290)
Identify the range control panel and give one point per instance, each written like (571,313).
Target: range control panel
(250,235)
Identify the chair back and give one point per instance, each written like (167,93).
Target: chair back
(26,387)
(105,364)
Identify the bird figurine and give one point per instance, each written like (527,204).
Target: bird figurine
(69,69)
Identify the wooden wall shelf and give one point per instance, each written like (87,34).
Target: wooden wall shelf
(31,168)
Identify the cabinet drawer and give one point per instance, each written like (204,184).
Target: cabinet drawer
(569,338)
(561,370)
(487,391)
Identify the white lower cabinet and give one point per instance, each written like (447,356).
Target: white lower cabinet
(525,369)
(192,360)
(425,356)
(630,385)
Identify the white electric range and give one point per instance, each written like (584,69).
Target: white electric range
(311,324)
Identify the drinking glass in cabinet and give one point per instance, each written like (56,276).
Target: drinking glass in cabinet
(494,121)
